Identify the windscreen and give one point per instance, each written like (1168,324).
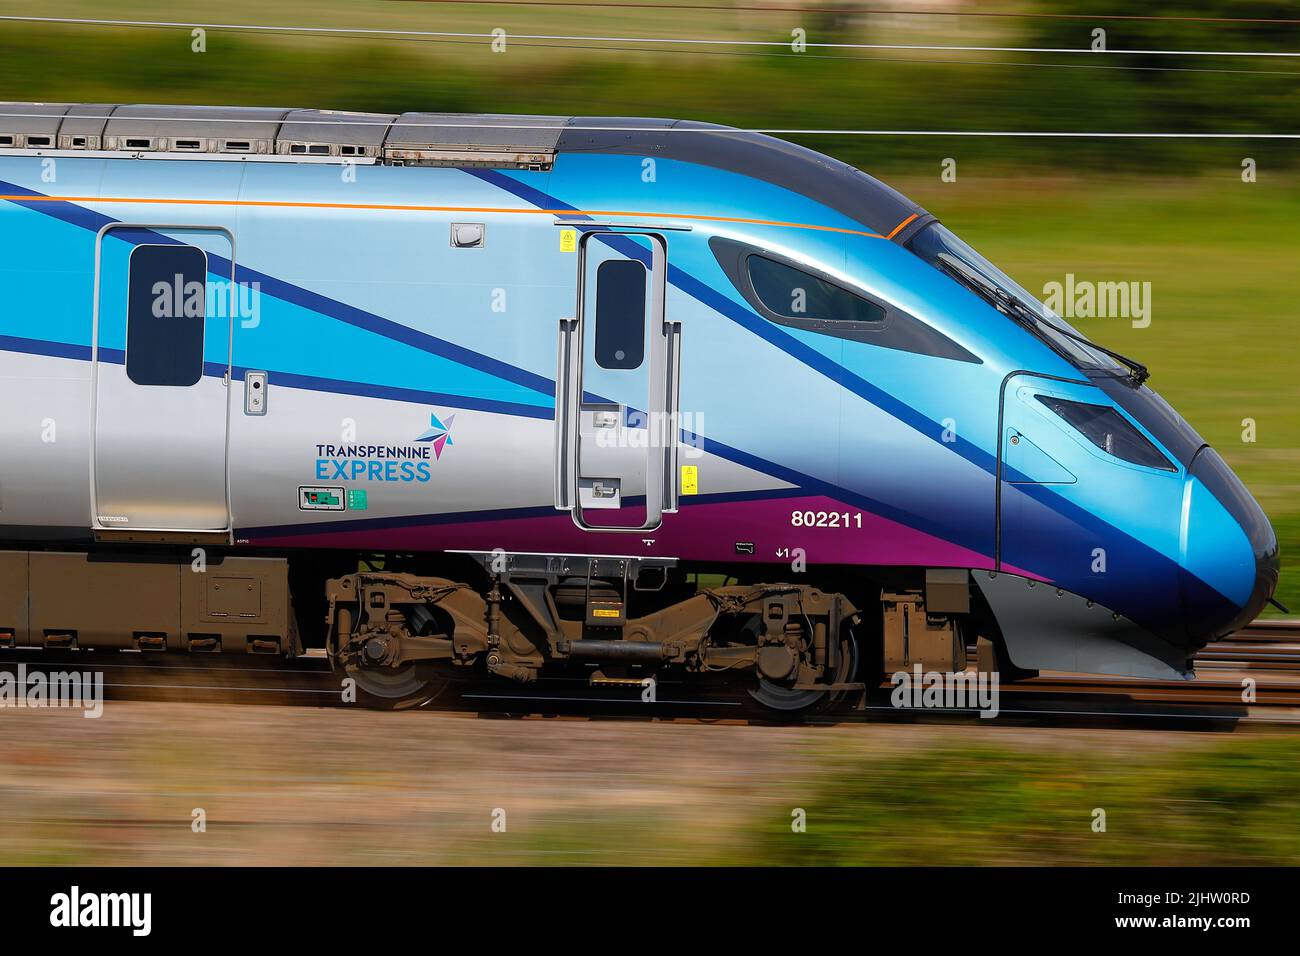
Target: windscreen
(938,239)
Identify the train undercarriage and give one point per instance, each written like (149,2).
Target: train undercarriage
(399,629)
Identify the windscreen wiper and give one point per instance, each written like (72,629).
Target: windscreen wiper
(1011,306)
(1137,372)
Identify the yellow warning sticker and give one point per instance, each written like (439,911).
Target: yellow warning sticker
(604,612)
(690,479)
(568,240)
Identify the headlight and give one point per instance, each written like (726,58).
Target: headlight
(1110,431)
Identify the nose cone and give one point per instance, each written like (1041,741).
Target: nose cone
(1230,552)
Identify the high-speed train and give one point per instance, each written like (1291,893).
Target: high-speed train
(602,397)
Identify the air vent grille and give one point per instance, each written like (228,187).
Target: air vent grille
(411,139)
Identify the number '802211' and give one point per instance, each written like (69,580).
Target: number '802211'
(826,519)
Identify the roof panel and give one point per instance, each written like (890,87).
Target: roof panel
(41,119)
(331,126)
(487,131)
(156,127)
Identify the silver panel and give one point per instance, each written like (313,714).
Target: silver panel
(156,130)
(474,139)
(568,404)
(609,460)
(601,458)
(159,453)
(468,235)
(255,393)
(36,124)
(210,128)
(500,131)
(1046,628)
(83,126)
(332,133)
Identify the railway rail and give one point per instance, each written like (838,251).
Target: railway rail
(1272,647)
(1274,630)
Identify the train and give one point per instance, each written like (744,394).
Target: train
(613,399)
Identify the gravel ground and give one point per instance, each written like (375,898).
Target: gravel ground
(307,786)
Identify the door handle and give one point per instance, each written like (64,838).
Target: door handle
(255,393)
(568,401)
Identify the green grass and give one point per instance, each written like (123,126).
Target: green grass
(1231,805)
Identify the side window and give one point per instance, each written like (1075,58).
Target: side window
(1109,431)
(794,294)
(620,314)
(166,305)
(777,290)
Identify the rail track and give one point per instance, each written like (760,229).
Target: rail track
(1266,653)
(1264,645)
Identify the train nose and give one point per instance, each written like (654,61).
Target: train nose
(1230,552)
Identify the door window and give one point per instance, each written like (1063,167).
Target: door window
(620,314)
(166,307)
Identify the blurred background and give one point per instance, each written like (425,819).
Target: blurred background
(1223,346)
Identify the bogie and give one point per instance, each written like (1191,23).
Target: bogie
(791,643)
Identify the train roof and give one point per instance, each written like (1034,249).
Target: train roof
(493,140)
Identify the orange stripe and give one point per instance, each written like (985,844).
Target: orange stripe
(899,227)
(476,209)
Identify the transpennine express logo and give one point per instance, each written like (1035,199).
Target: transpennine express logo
(409,463)
(438,433)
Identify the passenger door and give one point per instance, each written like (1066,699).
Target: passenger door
(161,372)
(617,387)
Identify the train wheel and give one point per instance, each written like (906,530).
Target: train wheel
(774,697)
(397,688)
(381,687)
